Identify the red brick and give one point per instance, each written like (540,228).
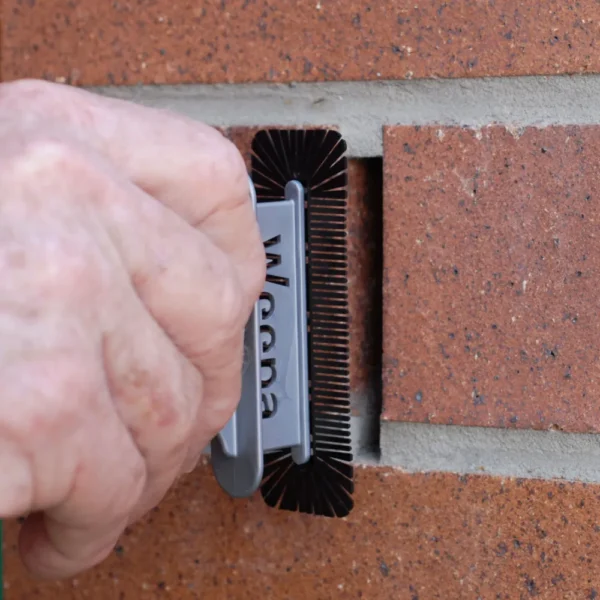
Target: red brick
(179,41)
(410,536)
(491,277)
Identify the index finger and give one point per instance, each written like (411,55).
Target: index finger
(188,166)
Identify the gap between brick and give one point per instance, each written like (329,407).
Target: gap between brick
(362,109)
(531,454)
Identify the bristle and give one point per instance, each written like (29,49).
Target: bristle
(315,158)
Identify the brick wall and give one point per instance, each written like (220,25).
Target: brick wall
(474,215)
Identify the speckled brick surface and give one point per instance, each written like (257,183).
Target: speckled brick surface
(491,276)
(411,537)
(178,41)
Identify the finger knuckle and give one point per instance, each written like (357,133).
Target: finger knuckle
(75,276)
(181,431)
(35,91)
(256,269)
(229,306)
(180,441)
(40,158)
(222,412)
(72,384)
(67,272)
(37,102)
(132,480)
(56,395)
(229,165)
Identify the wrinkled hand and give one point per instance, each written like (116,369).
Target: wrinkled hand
(130,259)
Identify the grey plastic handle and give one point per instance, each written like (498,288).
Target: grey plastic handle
(236,453)
(273,412)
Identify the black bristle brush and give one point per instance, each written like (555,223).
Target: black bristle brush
(315,158)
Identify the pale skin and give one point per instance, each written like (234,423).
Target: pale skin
(130,259)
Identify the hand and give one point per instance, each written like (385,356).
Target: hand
(130,259)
